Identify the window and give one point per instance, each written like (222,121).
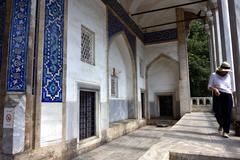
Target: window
(114,86)
(141,64)
(114,83)
(87,46)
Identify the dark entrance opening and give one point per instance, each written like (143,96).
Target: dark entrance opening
(166,106)
(143,104)
(87,114)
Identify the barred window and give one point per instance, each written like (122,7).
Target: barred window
(141,64)
(114,86)
(87,46)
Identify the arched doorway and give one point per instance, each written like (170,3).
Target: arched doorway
(162,88)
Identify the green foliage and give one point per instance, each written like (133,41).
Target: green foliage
(199,63)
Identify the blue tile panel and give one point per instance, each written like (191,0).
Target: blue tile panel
(52,77)
(119,10)
(2,26)
(160,36)
(18,46)
(116,26)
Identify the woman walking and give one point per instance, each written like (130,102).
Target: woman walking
(220,84)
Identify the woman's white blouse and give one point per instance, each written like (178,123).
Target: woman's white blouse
(223,84)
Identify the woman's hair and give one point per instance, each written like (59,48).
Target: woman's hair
(217,72)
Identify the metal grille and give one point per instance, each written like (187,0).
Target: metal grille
(87,46)
(87,114)
(143,104)
(114,86)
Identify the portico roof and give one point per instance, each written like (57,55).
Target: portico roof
(149,13)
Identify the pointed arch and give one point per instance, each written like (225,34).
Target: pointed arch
(121,38)
(162,55)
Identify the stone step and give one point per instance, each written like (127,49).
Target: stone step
(193,137)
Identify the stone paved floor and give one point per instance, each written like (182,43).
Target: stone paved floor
(128,147)
(196,133)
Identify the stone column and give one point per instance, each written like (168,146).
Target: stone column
(184,87)
(211,41)
(217,32)
(18,97)
(226,40)
(4,23)
(234,12)
(211,54)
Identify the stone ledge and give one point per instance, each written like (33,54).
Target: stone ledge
(71,149)
(201,108)
(60,151)
(89,144)
(181,155)
(120,128)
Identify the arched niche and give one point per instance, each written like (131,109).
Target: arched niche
(121,66)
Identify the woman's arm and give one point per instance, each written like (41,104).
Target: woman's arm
(212,87)
(214,90)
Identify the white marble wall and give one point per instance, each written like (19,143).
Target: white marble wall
(151,52)
(51,123)
(91,14)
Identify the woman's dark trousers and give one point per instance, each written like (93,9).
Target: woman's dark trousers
(222,107)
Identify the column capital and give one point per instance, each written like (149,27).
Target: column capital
(213,4)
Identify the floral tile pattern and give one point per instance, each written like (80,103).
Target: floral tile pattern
(53,51)
(17,61)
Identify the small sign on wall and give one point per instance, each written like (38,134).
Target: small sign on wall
(8,118)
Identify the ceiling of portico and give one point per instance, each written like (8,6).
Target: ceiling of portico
(162,16)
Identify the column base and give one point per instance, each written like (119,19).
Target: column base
(237,128)
(14,124)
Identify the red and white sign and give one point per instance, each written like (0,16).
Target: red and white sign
(8,118)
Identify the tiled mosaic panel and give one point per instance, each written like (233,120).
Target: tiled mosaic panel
(160,36)
(17,60)
(2,26)
(115,26)
(52,77)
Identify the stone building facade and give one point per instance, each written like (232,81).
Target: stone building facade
(75,74)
